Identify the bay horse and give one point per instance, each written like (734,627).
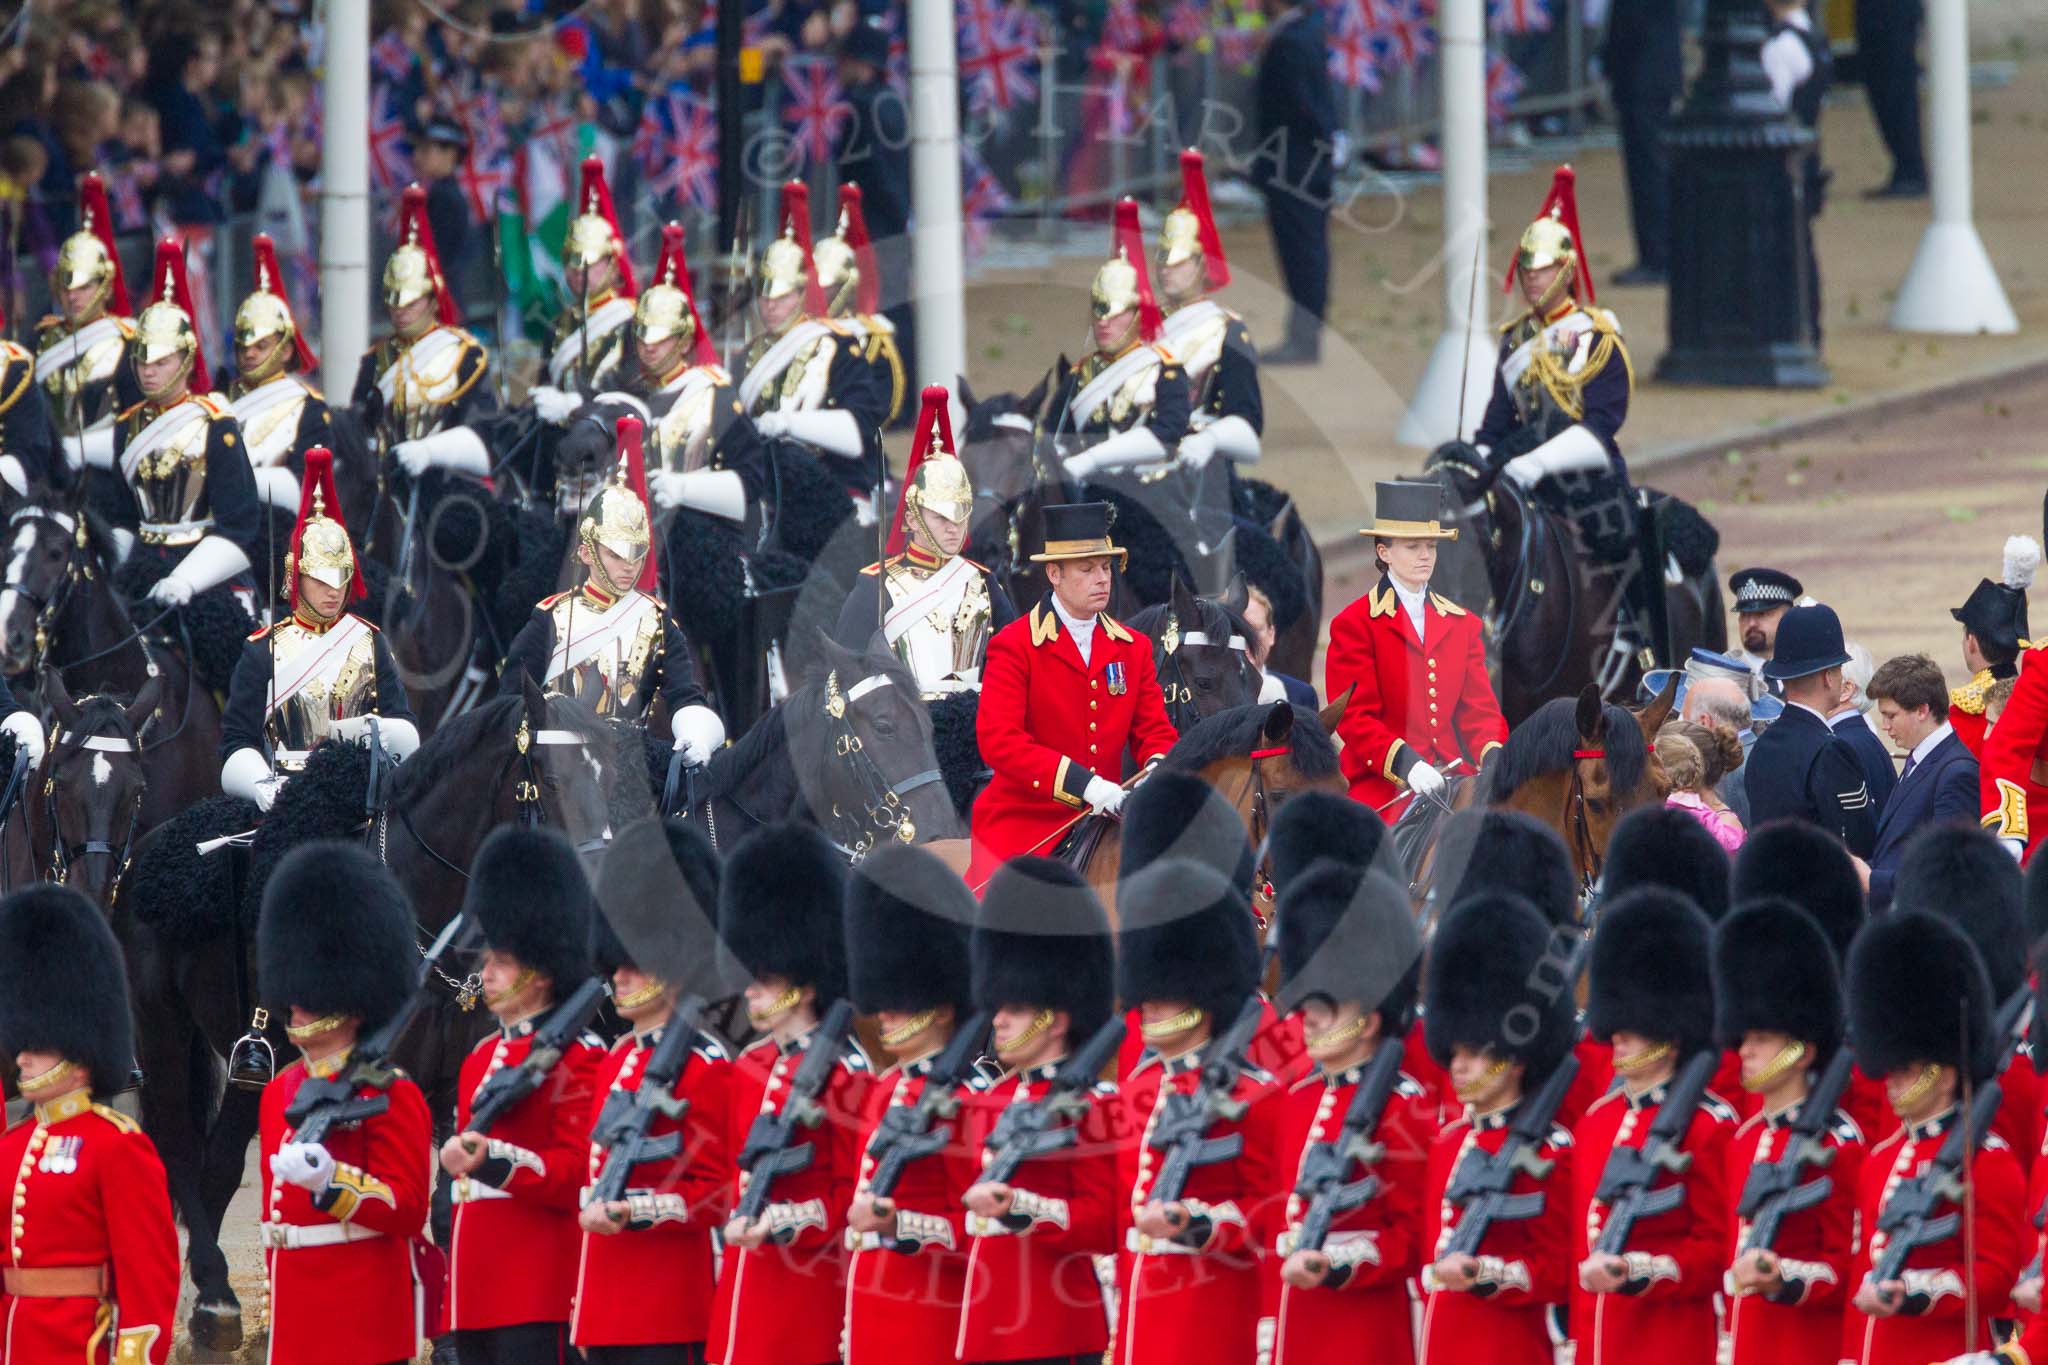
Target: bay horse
(189,936)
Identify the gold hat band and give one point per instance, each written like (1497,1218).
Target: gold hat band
(1079,549)
(1410,530)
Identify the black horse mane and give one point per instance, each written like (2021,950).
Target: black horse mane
(1544,744)
(455,741)
(1236,732)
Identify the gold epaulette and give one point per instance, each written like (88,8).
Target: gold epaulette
(49,321)
(976,563)
(1969,698)
(124,416)
(876,568)
(216,406)
(120,1121)
(260,632)
(1114,629)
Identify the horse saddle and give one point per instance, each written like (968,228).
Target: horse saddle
(1416,833)
(1079,843)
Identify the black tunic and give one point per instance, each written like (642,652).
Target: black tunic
(473,397)
(243,725)
(26,431)
(669,667)
(230,494)
(861,616)
(852,385)
(1167,418)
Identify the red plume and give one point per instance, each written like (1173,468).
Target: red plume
(633,459)
(672,269)
(1562,203)
(94,217)
(1131,241)
(319,478)
(270,280)
(415,227)
(933,418)
(1194,197)
(796,221)
(594,195)
(168,284)
(868,294)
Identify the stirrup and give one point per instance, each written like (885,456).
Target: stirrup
(252,1062)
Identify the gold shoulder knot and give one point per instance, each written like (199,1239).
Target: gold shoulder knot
(120,1121)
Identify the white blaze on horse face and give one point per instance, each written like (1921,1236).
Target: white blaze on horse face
(17,563)
(102,770)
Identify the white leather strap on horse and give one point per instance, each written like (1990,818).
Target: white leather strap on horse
(568,737)
(1197,637)
(867,685)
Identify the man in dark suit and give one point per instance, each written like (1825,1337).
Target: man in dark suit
(1847,720)
(1887,38)
(1940,781)
(874,153)
(1799,769)
(1293,164)
(1645,74)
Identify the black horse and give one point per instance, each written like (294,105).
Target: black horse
(1201,655)
(188,928)
(83,808)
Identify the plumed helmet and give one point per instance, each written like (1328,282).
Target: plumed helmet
(1664,846)
(1917,995)
(779,908)
(1043,939)
(63,987)
(1319,824)
(1185,933)
(1497,981)
(1347,933)
(1775,972)
(336,935)
(1652,972)
(529,898)
(1960,873)
(1810,868)
(908,917)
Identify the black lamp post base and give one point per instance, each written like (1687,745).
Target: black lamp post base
(1773,365)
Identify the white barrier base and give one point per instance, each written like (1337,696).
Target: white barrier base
(1952,287)
(1431,416)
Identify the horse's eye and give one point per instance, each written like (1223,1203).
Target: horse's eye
(1205,684)
(1596,805)
(885,727)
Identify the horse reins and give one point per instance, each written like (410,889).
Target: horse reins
(885,816)
(61,859)
(1590,862)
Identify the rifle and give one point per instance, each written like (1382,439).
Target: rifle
(1909,1220)
(623,1122)
(1039,1129)
(770,1148)
(1325,1165)
(324,1103)
(910,1131)
(504,1091)
(1625,1183)
(1480,1184)
(1182,1130)
(1774,1189)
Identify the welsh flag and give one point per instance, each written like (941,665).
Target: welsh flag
(533,218)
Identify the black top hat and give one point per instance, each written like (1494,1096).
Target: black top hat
(1809,640)
(1996,612)
(867,41)
(1763,589)
(1405,510)
(1078,530)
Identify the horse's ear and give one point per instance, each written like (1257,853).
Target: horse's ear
(59,697)
(144,706)
(966,394)
(536,701)
(1653,717)
(1278,725)
(1237,594)
(1592,716)
(1033,400)
(1285,522)
(1181,600)
(1333,713)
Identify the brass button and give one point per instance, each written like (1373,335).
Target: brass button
(1432,691)
(1093,704)
(1091,748)
(1432,706)
(1093,684)
(1034,786)
(1091,725)
(1432,663)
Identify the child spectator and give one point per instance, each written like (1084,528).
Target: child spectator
(1691,791)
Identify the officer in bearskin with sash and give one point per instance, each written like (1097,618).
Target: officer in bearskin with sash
(337,960)
(1994,622)
(654,938)
(321,673)
(1778,1006)
(89,1268)
(80,347)
(1499,1019)
(1043,962)
(587,344)
(1351,960)
(851,277)
(936,609)
(907,920)
(513,1252)
(782,1286)
(282,415)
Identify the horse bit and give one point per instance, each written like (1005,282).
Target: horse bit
(886,815)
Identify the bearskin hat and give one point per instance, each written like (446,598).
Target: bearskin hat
(1807,866)
(1505,850)
(1178,815)
(1651,971)
(780,907)
(657,908)
(1320,824)
(2036,903)
(1043,939)
(63,988)
(908,916)
(1918,993)
(1664,846)
(1960,873)
(529,898)
(336,935)
(1497,981)
(1775,971)
(1347,933)
(1185,934)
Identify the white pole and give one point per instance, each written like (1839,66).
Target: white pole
(345,197)
(1951,286)
(939,285)
(1462,360)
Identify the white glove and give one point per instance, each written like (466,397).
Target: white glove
(350,729)
(699,732)
(27,732)
(457,448)
(719,492)
(305,1164)
(1574,450)
(171,591)
(95,447)
(12,473)
(246,774)
(2016,847)
(1234,439)
(833,430)
(771,425)
(553,406)
(210,563)
(1424,780)
(1103,796)
(1197,448)
(124,542)
(1120,451)
(277,486)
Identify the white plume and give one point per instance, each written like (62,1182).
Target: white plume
(2022,557)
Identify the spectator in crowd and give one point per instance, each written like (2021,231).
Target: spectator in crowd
(435,158)
(1850,721)
(874,153)
(1887,41)
(1645,75)
(1721,703)
(1297,122)
(1797,60)
(1680,754)
(1258,620)
(182,68)
(1940,781)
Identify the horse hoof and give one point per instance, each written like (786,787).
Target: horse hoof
(217,1326)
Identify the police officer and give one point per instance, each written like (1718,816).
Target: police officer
(1762,597)
(1296,106)
(850,273)
(337,959)
(1799,769)
(588,339)
(321,673)
(281,414)
(79,348)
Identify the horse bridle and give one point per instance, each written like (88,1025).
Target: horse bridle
(61,858)
(50,607)
(1261,826)
(885,814)
(1173,683)
(1590,862)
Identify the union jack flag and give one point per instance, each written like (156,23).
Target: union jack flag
(813,108)
(682,154)
(1187,22)
(1504,82)
(982,198)
(1353,61)
(1403,36)
(480,117)
(124,199)
(558,128)
(391,58)
(998,61)
(975,19)
(1122,29)
(390,154)
(1519,16)
(482,180)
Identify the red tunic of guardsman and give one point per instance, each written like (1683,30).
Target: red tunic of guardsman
(1413,662)
(1067,690)
(89,1269)
(782,1285)
(1349,930)
(2012,795)
(341,1206)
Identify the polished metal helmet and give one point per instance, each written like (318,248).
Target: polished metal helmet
(1546,242)
(663,312)
(408,275)
(161,330)
(265,315)
(1180,236)
(325,552)
(589,241)
(83,261)
(838,271)
(1116,287)
(616,519)
(941,485)
(783,267)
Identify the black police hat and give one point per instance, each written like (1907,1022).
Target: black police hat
(1807,866)
(1996,613)
(1488,986)
(63,987)
(1043,939)
(529,897)
(779,908)
(1918,994)
(1668,847)
(1348,933)
(447,131)
(1078,530)
(1763,589)
(1809,640)
(1775,971)
(907,921)
(336,935)
(1652,972)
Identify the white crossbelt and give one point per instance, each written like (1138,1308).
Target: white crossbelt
(292,1237)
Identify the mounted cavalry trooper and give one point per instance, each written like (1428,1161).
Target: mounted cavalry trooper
(610,642)
(851,277)
(180,454)
(806,380)
(589,338)
(941,607)
(89,1264)
(321,673)
(79,347)
(417,390)
(281,414)
(28,441)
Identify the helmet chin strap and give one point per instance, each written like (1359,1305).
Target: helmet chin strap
(1561,285)
(173,386)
